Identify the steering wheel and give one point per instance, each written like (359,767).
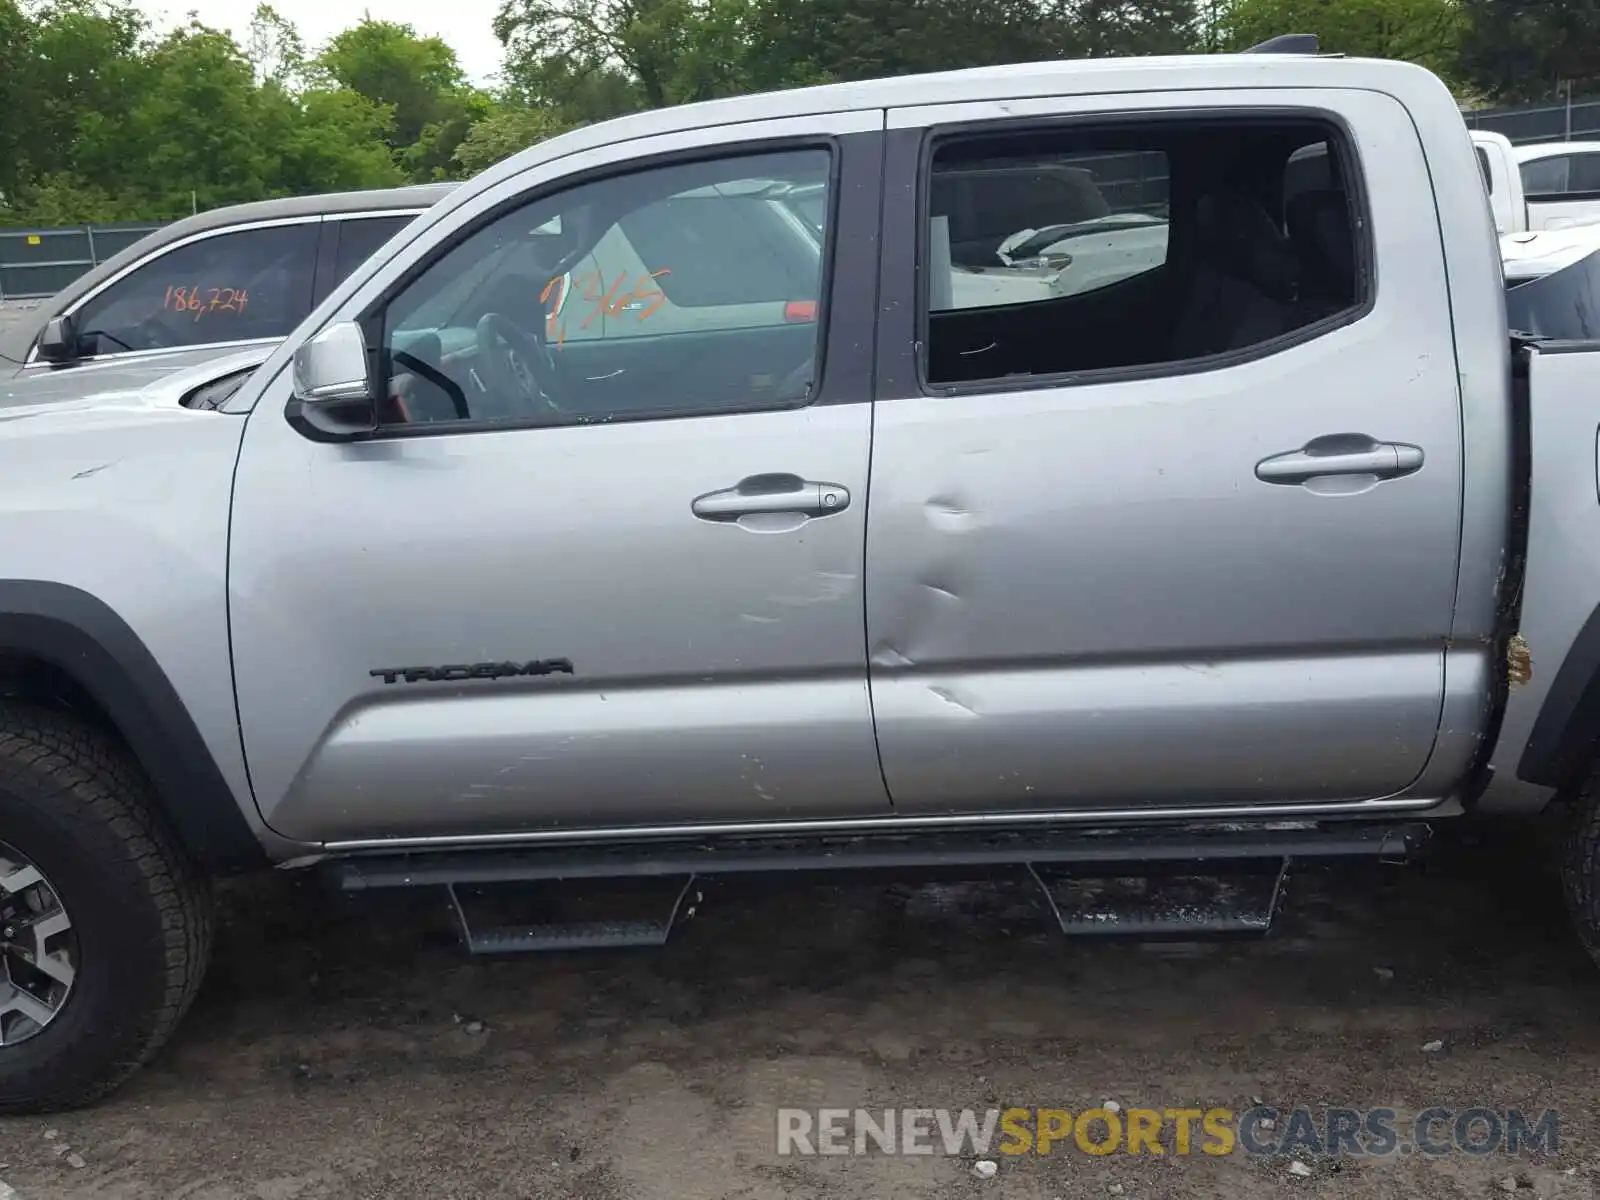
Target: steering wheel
(519,364)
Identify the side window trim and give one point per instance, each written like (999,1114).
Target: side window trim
(902,366)
(322,266)
(329,245)
(155,256)
(855,170)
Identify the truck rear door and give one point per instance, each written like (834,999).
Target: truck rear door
(1183,535)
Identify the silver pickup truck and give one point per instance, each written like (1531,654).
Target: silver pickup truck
(1277,542)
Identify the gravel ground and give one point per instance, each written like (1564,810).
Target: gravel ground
(15,310)
(335,1050)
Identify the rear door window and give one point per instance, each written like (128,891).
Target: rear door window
(359,237)
(1273,240)
(1585,173)
(238,286)
(1547,176)
(1563,175)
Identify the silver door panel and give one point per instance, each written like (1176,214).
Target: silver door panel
(573,542)
(1083,594)
(1129,735)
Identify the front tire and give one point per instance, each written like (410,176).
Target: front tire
(1580,862)
(91,880)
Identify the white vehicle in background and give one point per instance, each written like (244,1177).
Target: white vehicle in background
(1554,185)
(1502,180)
(1560,184)
(1085,255)
(1057,260)
(1534,240)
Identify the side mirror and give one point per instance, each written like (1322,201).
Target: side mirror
(59,341)
(333,394)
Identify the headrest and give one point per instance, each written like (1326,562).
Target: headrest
(1237,236)
(1319,225)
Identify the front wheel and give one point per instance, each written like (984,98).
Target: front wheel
(105,926)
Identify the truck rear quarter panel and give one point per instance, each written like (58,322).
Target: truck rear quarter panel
(1546,731)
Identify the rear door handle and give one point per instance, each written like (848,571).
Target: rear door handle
(771,494)
(1341,454)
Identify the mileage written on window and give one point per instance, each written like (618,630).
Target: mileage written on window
(198,302)
(639,298)
(231,286)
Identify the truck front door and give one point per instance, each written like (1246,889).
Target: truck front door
(581,579)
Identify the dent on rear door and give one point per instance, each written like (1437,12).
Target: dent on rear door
(1080,594)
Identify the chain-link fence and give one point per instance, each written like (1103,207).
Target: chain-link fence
(1572,120)
(40,262)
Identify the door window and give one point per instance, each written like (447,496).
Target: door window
(1010,231)
(689,288)
(1561,176)
(230,287)
(1547,176)
(359,237)
(1055,252)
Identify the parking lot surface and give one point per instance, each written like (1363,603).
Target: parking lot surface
(341,1050)
(13,311)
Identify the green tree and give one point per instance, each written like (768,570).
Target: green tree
(417,78)
(502,134)
(1516,50)
(78,75)
(327,140)
(432,155)
(648,53)
(16,32)
(1428,32)
(275,47)
(595,59)
(194,135)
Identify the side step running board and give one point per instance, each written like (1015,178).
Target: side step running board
(883,852)
(483,936)
(1145,883)
(1241,901)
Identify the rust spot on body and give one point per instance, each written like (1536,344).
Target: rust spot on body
(1519,661)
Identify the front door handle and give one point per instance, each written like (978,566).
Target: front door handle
(771,494)
(1341,454)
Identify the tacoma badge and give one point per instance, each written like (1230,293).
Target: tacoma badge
(488,670)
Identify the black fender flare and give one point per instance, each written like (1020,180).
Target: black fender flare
(80,635)
(1562,741)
